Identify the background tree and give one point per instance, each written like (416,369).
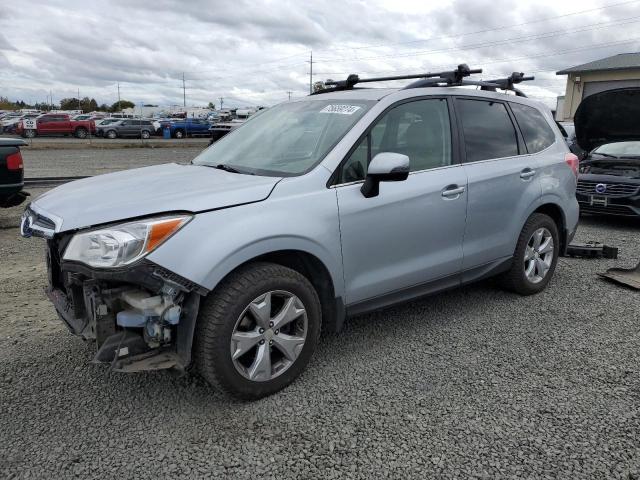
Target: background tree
(211,106)
(117,106)
(69,104)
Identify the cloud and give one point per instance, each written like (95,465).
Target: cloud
(257,51)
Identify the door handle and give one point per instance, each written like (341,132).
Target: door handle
(452,191)
(527,173)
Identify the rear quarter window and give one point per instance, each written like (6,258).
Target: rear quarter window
(534,127)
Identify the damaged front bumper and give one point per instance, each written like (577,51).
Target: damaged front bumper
(141,317)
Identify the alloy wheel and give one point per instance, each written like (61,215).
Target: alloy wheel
(538,255)
(269,335)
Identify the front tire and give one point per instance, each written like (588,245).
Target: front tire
(535,257)
(179,134)
(145,135)
(257,331)
(111,134)
(81,133)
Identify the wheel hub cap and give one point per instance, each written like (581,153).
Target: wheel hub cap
(269,335)
(538,255)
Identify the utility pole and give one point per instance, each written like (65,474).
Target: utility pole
(79,107)
(221,99)
(51,99)
(184,92)
(311,73)
(289,92)
(118,96)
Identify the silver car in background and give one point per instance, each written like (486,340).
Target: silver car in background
(235,262)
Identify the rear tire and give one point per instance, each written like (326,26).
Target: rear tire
(533,262)
(179,134)
(238,311)
(145,134)
(29,133)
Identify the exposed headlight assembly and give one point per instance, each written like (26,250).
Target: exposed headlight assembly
(123,244)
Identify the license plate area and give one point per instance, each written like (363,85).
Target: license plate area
(597,201)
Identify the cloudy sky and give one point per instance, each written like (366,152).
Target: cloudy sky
(253,52)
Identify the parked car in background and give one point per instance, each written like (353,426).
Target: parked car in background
(55,124)
(220,129)
(106,121)
(188,127)
(607,127)
(11,172)
(336,204)
(127,128)
(9,123)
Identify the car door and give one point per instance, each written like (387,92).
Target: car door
(45,124)
(502,178)
(407,240)
(61,124)
(127,128)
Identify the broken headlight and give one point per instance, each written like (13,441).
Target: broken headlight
(123,244)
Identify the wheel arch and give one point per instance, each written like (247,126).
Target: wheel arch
(554,211)
(313,269)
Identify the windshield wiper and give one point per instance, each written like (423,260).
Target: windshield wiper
(226,168)
(229,168)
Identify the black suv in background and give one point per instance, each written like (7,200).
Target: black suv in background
(607,127)
(11,172)
(127,128)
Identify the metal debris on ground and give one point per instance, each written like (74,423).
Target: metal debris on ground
(591,250)
(626,276)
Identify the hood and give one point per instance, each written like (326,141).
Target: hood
(606,117)
(150,190)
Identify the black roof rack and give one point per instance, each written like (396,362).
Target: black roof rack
(453,78)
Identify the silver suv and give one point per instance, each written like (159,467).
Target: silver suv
(343,202)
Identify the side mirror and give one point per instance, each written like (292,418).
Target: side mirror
(385,167)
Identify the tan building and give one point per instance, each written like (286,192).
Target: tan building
(618,71)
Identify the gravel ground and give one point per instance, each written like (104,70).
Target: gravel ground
(474,382)
(59,163)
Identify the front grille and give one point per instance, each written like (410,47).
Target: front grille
(608,210)
(588,187)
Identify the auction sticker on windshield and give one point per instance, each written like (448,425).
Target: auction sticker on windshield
(341,109)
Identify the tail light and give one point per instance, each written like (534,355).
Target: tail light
(573,162)
(14,161)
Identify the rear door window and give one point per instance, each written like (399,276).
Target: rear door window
(533,126)
(487,128)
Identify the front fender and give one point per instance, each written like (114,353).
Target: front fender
(215,243)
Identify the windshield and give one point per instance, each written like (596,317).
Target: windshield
(619,149)
(288,139)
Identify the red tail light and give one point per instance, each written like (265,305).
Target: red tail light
(573,162)
(14,161)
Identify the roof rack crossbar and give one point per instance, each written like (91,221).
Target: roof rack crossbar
(453,76)
(508,83)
